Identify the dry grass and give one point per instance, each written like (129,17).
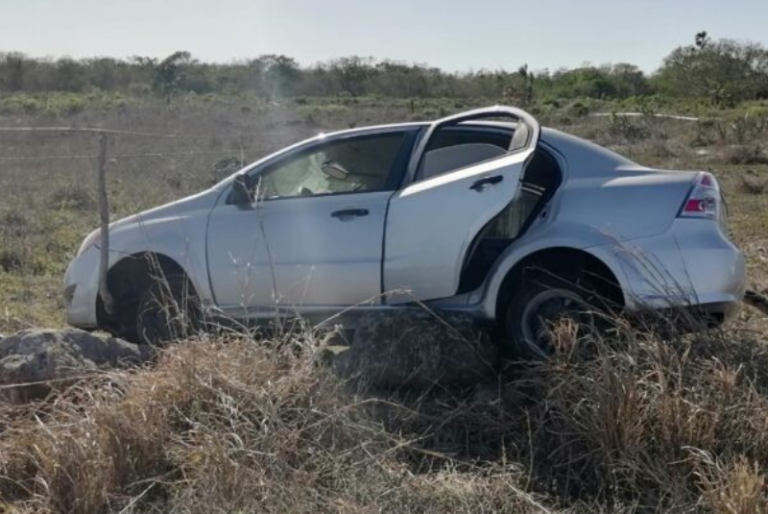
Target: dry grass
(226,427)
(632,423)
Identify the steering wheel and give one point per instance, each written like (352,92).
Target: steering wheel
(303,191)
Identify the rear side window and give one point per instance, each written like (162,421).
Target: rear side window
(462,137)
(455,149)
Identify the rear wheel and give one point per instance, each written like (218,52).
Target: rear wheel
(168,309)
(541,302)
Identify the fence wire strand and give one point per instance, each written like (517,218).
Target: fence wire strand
(93,130)
(116,156)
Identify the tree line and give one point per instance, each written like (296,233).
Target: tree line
(722,72)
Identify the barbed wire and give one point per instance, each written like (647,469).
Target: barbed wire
(94,130)
(117,156)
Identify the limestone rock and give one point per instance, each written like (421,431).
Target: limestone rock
(34,356)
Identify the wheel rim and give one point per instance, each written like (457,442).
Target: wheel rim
(546,309)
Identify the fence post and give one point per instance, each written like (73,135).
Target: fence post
(106,297)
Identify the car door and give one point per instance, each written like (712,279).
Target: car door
(314,235)
(433,221)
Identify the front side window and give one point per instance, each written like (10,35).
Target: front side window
(352,165)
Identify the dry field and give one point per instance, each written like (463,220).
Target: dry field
(635,423)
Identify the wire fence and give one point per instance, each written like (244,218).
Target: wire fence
(161,166)
(93,130)
(114,156)
(50,195)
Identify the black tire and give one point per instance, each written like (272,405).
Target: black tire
(168,309)
(541,300)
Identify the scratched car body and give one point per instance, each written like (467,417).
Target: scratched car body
(483,212)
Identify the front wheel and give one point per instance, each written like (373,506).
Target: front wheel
(167,310)
(541,302)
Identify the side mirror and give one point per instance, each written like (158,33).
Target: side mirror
(241,195)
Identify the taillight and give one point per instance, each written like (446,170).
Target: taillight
(704,200)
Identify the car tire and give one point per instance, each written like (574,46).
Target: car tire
(539,302)
(167,310)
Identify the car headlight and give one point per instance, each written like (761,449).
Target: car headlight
(93,239)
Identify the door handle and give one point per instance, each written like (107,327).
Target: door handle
(349,213)
(483,183)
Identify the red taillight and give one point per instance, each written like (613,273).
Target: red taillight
(704,199)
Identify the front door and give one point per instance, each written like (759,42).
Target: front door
(313,237)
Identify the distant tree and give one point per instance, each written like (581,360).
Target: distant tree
(353,73)
(279,75)
(104,73)
(628,80)
(13,67)
(69,75)
(587,81)
(702,40)
(168,74)
(724,72)
(519,86)
(401,80)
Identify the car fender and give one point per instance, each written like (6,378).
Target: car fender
(601,245)
(176,231)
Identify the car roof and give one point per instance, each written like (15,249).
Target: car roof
(574,148)
(580,153)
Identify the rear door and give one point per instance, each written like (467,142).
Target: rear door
(432,222)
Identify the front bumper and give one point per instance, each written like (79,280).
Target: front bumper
(81,289)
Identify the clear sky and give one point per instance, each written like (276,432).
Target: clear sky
(457,35)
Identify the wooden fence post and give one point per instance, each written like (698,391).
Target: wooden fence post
(106,297)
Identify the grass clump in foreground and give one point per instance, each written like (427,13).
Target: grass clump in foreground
(630,424)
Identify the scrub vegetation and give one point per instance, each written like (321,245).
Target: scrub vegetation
(635,421)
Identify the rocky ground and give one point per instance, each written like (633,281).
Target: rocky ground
(412,348)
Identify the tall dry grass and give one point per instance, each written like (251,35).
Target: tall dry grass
(221,426)
(635,422)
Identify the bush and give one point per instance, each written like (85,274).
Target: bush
(752,184)
(740,155)
(578,109)
(72,197)
(16,104)
(628,128)
(11,260)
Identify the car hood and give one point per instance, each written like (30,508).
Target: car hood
(177,209)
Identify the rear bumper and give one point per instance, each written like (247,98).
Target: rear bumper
(692,265)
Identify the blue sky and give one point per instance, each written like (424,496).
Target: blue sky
(457,35)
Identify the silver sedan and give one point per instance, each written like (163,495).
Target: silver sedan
(484,212)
